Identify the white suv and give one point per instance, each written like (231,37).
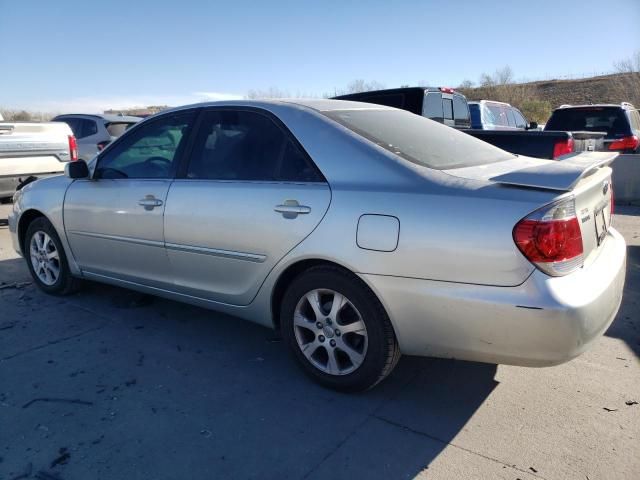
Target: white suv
(94,132)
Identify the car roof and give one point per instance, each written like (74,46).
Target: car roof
(623,105)
(318,104)
(478,102)
(106,117)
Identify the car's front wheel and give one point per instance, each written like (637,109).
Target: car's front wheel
(337,329)
(46,259)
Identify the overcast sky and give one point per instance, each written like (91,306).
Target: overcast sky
(68,55)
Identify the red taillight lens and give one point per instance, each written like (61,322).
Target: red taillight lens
(563,147)
(551,238)
(73,148)
(447,90)
(625,143)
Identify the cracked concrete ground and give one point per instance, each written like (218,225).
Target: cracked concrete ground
(103,386)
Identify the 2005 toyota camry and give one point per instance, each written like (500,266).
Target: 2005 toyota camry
(360,232)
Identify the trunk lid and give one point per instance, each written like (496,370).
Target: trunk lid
(588,141)
(585,176)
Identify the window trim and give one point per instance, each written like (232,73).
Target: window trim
(180,152)
(183,166)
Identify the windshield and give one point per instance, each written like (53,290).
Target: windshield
(116,129)
(418,139)
(592,119)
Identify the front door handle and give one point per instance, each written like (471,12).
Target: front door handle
(291,209)
(149,202)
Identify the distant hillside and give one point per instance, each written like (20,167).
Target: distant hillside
(538,99)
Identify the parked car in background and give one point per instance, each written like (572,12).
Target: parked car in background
(492,115)
(447,106)
(359,231)
(29,149)
(94,132)
(442,104)
(621,123)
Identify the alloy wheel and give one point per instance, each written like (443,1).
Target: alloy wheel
(45,258)
(330,332)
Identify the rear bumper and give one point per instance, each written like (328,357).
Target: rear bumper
(545,321)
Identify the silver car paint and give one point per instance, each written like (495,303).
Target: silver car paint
(455,242)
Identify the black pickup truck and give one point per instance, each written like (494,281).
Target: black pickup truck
(447,106)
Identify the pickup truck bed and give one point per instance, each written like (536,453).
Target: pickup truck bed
(534,143)
(31,149)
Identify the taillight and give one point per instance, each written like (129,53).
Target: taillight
(612,198)
(102,145)
(551,239)
(562,147)
(447,90)
(626,143)
(73,148)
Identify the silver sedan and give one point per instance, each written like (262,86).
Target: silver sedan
(360,232)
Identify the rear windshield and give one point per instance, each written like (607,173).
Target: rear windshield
(418,139)
(611,120)
(116,129)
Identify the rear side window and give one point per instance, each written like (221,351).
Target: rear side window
(498,115)
(433,106)
(611,120)
(447,107)
(419,140)
(86,128)
(247,146)
(460,110)
(74,125)
(116,129)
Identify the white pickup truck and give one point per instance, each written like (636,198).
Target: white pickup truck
(30,149)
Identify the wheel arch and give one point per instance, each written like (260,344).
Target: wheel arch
(26,218)
(287,276)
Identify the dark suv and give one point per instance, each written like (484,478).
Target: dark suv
(621,123)
(442,104)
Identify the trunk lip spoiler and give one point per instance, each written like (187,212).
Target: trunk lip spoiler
(561,175)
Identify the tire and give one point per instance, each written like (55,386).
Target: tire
(47,256)
(350,350)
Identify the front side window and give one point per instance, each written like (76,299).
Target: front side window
(520,120)
(150,151)
(510,117)
(247,146)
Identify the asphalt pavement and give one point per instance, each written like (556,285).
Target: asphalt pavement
(108,384)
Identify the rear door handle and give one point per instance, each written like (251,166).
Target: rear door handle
(149,202)
(291,209)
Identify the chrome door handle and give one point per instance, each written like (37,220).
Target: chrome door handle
(291,209)
(149,202)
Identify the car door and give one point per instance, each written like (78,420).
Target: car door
(247,196)
(114,221)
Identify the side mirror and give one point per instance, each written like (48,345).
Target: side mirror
(533,126)
(77,169)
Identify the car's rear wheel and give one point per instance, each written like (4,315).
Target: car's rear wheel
(46,259)
(337,329)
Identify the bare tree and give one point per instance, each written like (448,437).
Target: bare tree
(359,85)
(466,84)
(271,92)
(627,82)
